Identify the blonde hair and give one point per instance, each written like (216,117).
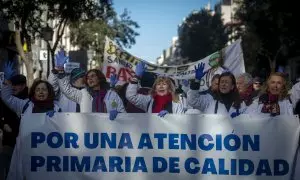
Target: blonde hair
(171,85)
(284,92)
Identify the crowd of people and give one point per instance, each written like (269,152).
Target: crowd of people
(89,92)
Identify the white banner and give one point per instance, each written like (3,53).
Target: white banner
(119,61)
(143,146)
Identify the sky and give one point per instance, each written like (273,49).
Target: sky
(158,20)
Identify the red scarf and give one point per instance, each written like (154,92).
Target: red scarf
(160,102)
(270,104)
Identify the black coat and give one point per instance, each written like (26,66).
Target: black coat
(9,117)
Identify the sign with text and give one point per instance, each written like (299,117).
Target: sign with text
(144,146)
(120,62)
(69,66)
(43,55)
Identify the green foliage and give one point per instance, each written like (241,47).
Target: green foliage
(201,34)
(274,25)
(91,34)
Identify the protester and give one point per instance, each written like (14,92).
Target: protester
(257,83)
(77,78)
(162,99)
(213,89)
(41,97)
(10,122)
(146,82)
(275,99)
(227,100)
(244,85)
(96,96)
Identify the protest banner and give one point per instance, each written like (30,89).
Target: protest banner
(144,146)
(120,62)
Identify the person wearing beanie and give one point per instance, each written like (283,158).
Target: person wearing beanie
(10,122)
(77,80)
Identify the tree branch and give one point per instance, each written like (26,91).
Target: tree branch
(60,32)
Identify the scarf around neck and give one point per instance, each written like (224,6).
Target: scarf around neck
(227,100)
(42,106)
(98,101)
(160,102)
(270,104)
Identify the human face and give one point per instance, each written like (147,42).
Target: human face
(225,85)
(17,89)
(241,85)
(275,85)
(162,88)
(92,80)
(215,84)
(256,86)
(41,92)
(79,83)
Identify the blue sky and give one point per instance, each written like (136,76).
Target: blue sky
(158,20)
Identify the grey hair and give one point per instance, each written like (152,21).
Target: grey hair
(247,78)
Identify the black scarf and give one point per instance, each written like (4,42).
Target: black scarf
(42,106)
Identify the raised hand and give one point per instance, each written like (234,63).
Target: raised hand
(140,68)
(163,113)
(113,114)
(113,80)
(50,113)
(199,71)
(61,59)
(9,70)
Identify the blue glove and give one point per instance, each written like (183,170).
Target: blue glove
(61,59)
(199,71)
(162,113)
(50,113)
(140,69)
(9,70)
(113,80)
(185,82)
(234,114)
(113,115)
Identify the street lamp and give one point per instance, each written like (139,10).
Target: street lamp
(47,34)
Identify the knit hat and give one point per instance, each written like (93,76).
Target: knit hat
(257,80)
(148,79)
(76,74)
(18,80)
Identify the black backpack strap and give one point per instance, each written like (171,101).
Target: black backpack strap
(289,98)
(169,107)
(238,111)
(216,106)
(25,107)
(148,106)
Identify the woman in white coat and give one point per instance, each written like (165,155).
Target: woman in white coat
(275,99)
(162,99)
(96,97)
(225,102)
